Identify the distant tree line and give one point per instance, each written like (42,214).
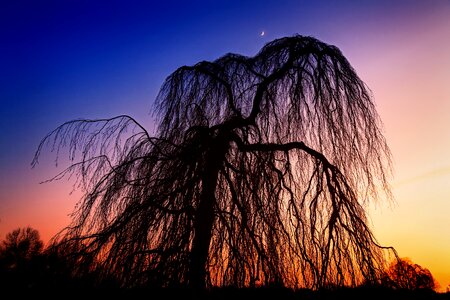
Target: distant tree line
(26,263)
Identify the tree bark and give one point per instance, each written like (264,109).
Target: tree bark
(204,216)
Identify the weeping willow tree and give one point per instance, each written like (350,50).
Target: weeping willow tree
(259,173)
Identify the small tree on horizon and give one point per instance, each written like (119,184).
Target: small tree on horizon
(404,274)
(258,173)
(21,244)
(20,259)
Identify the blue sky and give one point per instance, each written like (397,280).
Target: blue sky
(67,59)
(86,59)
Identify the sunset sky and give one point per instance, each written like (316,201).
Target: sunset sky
(64,60)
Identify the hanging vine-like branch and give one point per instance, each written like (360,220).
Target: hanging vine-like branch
(259,174)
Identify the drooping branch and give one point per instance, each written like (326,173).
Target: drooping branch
(321,205)
(269,159)
(283,148)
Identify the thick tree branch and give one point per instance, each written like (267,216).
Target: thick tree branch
(262,87)
(218,197)
(271,147)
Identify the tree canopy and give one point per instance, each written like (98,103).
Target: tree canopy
(258,174)
(404,274)
(21,244)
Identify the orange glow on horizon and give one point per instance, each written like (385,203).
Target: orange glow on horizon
(406,64)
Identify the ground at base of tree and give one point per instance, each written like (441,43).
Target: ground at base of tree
(231,293)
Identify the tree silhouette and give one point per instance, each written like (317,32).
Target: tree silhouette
(25,264)
(258,174)
(21,259)
(22,244)
(404,274)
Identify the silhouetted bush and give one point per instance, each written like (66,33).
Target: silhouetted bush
(404,274)
(21,261)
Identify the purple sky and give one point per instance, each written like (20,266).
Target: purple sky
(63,60)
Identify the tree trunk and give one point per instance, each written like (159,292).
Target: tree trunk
(204,216)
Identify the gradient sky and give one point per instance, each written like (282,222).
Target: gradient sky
(63,60)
